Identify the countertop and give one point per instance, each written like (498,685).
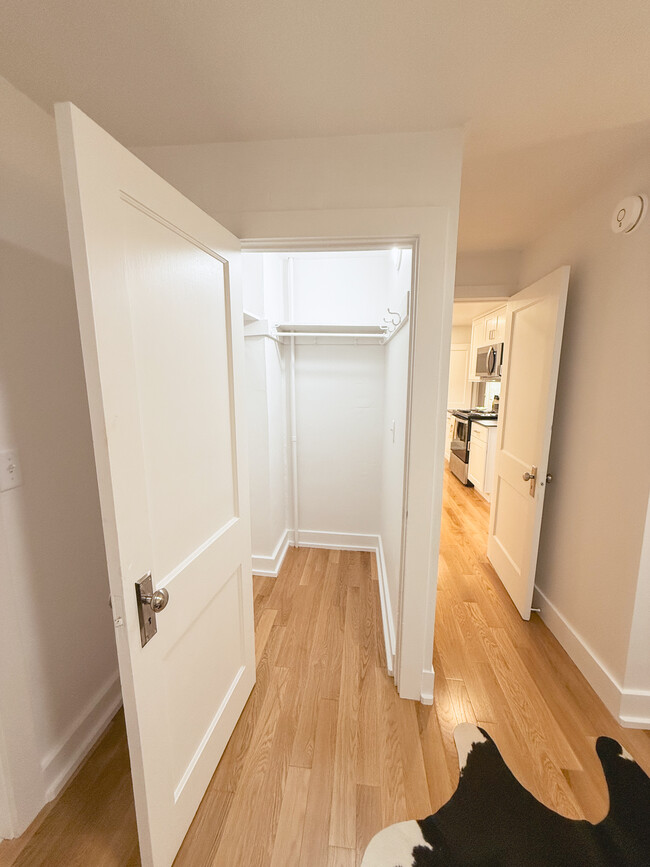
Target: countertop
(489,422)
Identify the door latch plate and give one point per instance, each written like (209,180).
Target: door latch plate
(146,614)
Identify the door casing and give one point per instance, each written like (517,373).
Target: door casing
(431,231)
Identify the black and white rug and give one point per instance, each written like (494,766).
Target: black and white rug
(492,820)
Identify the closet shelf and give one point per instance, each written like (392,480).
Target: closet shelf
(250,317)
(291,329)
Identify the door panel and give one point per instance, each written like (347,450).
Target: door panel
(215,635)
(160,315)
(530,351)
(535,321)
(181,339)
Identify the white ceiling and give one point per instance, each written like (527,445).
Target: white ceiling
(553,92)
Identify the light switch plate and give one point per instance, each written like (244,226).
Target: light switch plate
(10,475)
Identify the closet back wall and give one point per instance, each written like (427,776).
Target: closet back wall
(340,414)
(342,288)
(340,398)
(340,403)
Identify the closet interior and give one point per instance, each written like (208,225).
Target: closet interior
(327,364)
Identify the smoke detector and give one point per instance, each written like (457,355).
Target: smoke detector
(629,212)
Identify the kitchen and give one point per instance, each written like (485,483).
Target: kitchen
(476,359)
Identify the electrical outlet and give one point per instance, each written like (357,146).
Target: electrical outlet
(10,475)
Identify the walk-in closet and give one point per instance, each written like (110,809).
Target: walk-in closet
(327,364)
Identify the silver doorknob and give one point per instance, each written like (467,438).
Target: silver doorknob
(549,478)
(158,599)
(528,476)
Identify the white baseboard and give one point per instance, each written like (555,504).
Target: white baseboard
(630,708)
(387,618)
(269,567)
(635,709)
(337,541)
(62,761)
(426,692)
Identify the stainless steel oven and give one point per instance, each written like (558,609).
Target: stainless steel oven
(459,451)
(461,438)
(488,361)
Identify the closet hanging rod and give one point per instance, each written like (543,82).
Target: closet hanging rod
(377,335)
(328,328)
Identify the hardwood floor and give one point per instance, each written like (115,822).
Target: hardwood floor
(326,754)
(512,677)
(92,822)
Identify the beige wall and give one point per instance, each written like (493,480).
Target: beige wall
(491,274)
(595,510)
(58,666)
(637,673)
(461,333)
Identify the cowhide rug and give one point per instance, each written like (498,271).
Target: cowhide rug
(492,820)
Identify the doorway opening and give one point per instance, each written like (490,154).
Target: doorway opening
(502,448)
(477,346)
(328,348)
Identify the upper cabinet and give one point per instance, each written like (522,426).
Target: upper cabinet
(488,328)
(495,326)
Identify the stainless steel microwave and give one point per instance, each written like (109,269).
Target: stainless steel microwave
(489,360)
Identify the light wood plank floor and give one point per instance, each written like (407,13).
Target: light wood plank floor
(326,753)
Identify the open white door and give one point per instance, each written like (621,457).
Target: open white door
(529,380)
(160,313)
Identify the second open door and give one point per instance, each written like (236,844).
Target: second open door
(534,327)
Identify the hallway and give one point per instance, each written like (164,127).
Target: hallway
(512,677)
(325,753)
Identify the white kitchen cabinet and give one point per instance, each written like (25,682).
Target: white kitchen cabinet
(495,326)
(486,329)
(482,453)
(477,462)
(501,325)
(490,327)
(449,435)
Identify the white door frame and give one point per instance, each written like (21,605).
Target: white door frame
(321,245)
(431,231)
